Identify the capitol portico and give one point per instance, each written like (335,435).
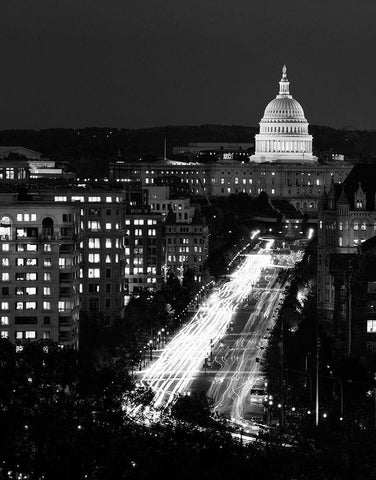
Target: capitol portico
(283,133)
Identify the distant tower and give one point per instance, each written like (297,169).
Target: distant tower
(283,133)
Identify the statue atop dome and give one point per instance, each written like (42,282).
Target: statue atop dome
(284,71)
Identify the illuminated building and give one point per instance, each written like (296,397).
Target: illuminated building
(283,165)
(160,202)
(284,133)
(40,269)
(20,164)
(142,253)
(346,228)
(219,150)
(186,246)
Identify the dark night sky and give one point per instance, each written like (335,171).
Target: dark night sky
(140,63)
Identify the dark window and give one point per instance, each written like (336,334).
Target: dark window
(108,272)
(46,320)
(5,290)
(108,287)
(93,304)
(26,320)
(93,287)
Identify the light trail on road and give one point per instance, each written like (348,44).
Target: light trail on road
(183,357)
(240,372)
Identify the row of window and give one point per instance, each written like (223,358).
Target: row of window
(108,243)
(95,226)
(63,305)
(81,198)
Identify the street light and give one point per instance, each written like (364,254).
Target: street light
(336,379)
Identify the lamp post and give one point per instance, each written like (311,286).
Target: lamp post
(151,349)
(336,379)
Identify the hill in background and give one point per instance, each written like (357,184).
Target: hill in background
(90,149)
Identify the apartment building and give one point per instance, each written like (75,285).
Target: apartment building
(186,246)
(141,239)
(40,270)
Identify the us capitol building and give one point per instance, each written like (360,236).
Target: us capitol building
(283,165)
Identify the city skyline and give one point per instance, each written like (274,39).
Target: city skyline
(136,64)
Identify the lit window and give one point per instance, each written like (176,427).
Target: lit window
(47,262)
(138,221)
(94,225)
(46,290)
(138,232)
(152,232)
(108,243)
(94,243)
(356,226)
(94,273)
(30,334)
(32,247)
(371,326)
(94,257)
(46,305)
(5,247)
(109,199)
(4,305)
(5,277)
(60,199)
(47,277)
(47,247)
(94,199)
(4,334)
(108,258)
(340,241)
(77,199)
(108,226)
(364,226)
(4,320)
(30,305)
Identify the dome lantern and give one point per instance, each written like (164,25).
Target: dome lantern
(284,84)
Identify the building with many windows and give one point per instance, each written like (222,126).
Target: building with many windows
(186,246)
(346,221)
(40,270)
(78,251)
(283,165)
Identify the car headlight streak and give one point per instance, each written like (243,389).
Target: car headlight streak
(184,355)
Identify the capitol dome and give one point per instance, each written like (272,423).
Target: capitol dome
(283,133)
(282,108)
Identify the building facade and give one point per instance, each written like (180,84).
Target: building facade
(346,221)
(40,271)
(283,165)
(186,246)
